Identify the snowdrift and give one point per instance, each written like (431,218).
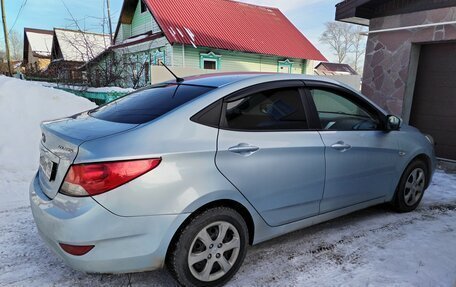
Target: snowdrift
(23,106)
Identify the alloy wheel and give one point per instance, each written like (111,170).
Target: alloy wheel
(414,186)
(214,251)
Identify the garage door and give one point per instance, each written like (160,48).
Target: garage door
(434,101)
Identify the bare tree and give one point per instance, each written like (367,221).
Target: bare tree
(105,66)
(121,67)
(346,41)
(17,45)
(137,68)
(78,48)
(106,70)
(82,47)
(339,37)
(358,47)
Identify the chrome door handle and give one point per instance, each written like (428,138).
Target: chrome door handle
(341,146)
(244,149)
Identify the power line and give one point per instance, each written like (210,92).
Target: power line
(18,14)
(71,15)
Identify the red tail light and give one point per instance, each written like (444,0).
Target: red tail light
(76,250)
(97,178)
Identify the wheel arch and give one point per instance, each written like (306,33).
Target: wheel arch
(421,156)
(235,205)
(427,161)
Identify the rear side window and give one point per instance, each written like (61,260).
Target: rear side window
(146,105)
(278,109)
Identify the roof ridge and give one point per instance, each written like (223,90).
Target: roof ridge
(250,4)
(39,31)
(80,31)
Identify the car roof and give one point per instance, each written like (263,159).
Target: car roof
(217,80)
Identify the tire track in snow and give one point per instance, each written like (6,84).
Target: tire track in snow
(335,244)
(17,209)
(307,250)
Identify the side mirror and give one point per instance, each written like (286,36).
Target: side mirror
(393,123)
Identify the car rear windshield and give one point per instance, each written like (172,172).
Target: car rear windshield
(148,104)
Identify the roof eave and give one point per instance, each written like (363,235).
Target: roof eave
(139,41)
(40,56)
(348,11)
(322,59)
(38,31)
(361,11)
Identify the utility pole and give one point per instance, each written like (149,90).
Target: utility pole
(5,30)
(109,21)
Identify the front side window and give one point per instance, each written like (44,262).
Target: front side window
(278,109)
(337,112)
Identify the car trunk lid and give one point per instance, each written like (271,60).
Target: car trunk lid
(60,143)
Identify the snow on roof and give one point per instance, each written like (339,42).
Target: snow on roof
(134,39)
(78,46)
(40,42)
(337,68)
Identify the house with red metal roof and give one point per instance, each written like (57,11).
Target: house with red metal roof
(200,36)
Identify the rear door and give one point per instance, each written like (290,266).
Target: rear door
(265,148)
(360,156)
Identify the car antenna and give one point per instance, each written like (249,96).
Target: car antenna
(179,80)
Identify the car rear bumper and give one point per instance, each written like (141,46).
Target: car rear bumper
(122,244)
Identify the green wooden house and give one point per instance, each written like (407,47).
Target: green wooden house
(201,36)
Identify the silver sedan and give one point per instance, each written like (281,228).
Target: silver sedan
(187,174)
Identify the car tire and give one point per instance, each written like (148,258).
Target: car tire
(210,249)
(411,187)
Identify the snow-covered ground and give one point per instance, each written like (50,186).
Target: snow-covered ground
(374,247)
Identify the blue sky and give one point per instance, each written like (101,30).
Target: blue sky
(308,15)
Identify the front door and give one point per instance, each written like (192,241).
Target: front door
(266,150)
(360,155)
